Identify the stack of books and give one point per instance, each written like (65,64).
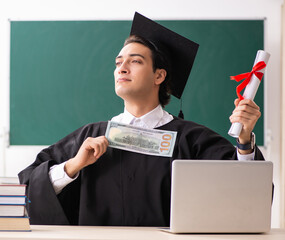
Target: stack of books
(13,214)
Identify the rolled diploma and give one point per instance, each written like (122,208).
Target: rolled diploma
(250,90)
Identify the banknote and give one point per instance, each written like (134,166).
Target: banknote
(141,140)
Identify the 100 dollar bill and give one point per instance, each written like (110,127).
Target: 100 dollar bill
(141,140)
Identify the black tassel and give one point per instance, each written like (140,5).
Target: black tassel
(181,115)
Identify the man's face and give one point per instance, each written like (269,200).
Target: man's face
(134,75)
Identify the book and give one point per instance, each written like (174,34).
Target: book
(12,189)
(12,210)
(13,213)
(9,180)
(14,200)
(15,223)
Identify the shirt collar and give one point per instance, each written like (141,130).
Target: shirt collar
(150,119)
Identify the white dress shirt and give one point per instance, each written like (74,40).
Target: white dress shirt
(153,119)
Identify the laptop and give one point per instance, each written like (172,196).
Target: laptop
(214,196)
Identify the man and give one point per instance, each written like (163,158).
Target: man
(80,180)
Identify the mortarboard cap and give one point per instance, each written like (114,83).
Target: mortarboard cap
(181,51)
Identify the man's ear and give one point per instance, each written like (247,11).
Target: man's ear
(160,76)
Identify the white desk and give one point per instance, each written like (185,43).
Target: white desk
(126,233)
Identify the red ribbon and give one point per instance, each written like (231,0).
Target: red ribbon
(257,67)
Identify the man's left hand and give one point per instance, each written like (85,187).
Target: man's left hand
(247,113)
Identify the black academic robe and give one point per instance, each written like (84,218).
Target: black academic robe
(121,188)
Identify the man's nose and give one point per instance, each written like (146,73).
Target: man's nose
(123,68)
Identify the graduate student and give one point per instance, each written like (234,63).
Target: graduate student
(81,181)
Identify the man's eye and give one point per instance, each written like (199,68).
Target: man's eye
(136,61)
(118,63)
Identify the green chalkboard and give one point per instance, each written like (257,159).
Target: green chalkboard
(61,74)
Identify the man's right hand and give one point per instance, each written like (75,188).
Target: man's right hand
(90,151)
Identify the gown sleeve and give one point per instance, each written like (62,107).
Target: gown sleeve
(199,142)
(45,206)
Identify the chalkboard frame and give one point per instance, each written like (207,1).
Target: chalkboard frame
(40,113)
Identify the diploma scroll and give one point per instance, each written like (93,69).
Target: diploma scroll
(251,89)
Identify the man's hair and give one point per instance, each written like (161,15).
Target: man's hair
(159,61)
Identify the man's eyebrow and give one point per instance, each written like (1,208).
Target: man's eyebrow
(132,55)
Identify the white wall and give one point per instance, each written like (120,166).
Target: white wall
(13,159)
(282,185)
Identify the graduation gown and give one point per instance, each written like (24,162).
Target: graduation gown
(122,188)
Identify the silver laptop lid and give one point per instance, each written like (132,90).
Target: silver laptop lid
(221,196)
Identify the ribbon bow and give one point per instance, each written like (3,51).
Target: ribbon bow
(257,67)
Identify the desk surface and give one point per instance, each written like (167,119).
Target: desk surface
(131,233)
